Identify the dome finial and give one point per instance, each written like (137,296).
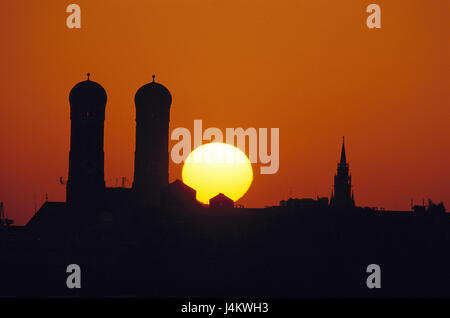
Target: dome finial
(153,76)
(88,75)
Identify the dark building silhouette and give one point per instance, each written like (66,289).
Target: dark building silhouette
(151,167)
(89,204)
(305,203)
(221,201)
(178,194)
(86,182)
(50,221)
(342,197)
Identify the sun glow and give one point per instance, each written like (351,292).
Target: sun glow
(217,168)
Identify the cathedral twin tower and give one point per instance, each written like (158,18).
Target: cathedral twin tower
(86,182)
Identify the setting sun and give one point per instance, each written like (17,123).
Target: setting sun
(217,168)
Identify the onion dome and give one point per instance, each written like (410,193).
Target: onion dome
(154,97)
(88,96)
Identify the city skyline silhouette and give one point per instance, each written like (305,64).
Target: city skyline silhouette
(157,234)
(312,69)
(344,198)
(86,186)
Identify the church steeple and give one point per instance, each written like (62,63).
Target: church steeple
(342,195)
(343,158)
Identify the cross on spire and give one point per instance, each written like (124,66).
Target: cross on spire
(88,75)
(153,76)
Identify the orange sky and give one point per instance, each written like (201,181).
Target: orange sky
(311,68)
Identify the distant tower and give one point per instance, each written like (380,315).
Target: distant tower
(343,194)
(151,165)
(86,182)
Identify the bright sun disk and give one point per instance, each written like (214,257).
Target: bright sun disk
(217,168)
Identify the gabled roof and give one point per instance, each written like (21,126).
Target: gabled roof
(49,215)
(178,184)
(221,197)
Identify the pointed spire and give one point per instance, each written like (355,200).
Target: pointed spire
(343,158)
(88,75)
(153,76)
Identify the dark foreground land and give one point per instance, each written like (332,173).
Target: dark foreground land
(261,253)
